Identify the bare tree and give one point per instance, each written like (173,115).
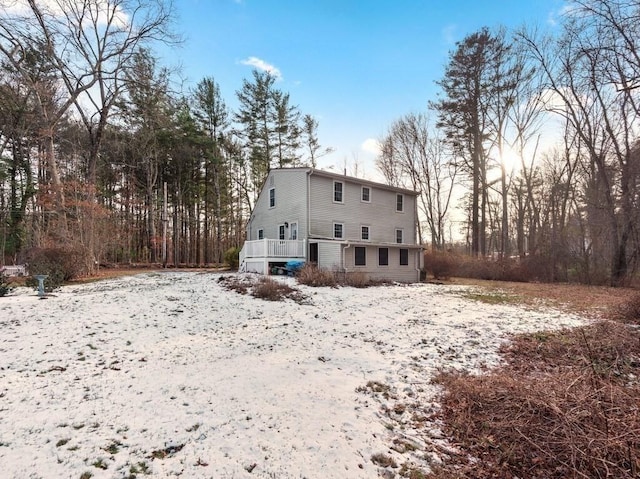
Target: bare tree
(593,71)
(412,155)
(88,45)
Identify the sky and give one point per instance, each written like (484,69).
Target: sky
(356,66)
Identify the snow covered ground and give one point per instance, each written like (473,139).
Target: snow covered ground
(170,374)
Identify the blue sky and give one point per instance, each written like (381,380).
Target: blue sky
(355,65)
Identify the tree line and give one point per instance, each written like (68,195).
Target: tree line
(574,205)
(102,155)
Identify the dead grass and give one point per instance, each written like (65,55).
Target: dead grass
(590,301)
(564,406)
(263,287)
(311,275)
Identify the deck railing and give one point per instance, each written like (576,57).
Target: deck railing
(269,248)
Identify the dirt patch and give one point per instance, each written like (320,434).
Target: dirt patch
(592,301)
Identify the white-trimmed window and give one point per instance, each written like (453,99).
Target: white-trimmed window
(365,196)
(365,233)
(281,232)
(360,253)
(272,197)
(293,231)
(338,192)
(338,230)
(400,203)
(399,235)
(261,234)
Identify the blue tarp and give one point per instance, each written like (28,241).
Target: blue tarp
(294,265)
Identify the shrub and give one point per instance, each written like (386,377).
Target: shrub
(440,264)
(311,275)
(232,257)
(272,290)
(564,406)
(4,285)
(59,264)
(357,279)
(629,311)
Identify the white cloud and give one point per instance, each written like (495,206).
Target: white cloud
(263,66)
(449,34)
(100,12)
(371,145)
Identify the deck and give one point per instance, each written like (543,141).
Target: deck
(256,256)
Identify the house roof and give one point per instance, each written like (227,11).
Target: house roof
(350,179)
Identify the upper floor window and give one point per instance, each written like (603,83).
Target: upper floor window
(281,232)
(399,236)
(360,256)
(338,186)
(383,256)
(293,231)
(272,197)
(366,194)
(365,233)
(399,202)
(338,230)
(260,234)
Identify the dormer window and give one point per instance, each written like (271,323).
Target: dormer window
(399,203)
(366,194)
(338,187)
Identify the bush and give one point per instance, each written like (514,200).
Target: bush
(357,279)
(232,257)
(58,264)
(311,275)
(4,285)
(564,406)
(629,311)
(441,265)
(271,290)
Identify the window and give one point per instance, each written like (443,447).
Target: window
(404,257)
(361,255)
(272,197)
(383,256)
(337,191)
(338,230)
(399,236)
(366,194)
(365,233)
(281,232)
(293,231)
(400,203)
(260,234)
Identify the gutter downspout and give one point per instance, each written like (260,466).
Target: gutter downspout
(309,173)
(344,267)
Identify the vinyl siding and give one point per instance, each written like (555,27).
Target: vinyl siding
(329,255)
(291,193)
(379,214)
(393,272)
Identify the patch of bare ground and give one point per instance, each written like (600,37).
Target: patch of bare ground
(590,301)
(564,405)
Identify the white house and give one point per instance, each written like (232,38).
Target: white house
(338,222)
